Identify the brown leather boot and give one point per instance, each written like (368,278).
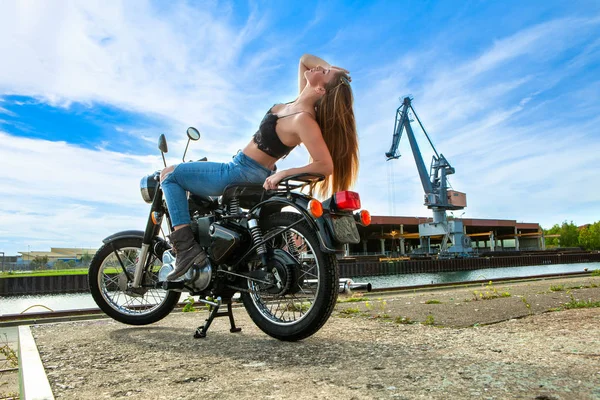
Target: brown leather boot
(187,251)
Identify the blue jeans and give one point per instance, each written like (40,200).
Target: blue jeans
(207,179)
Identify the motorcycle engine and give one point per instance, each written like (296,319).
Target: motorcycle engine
(196,278)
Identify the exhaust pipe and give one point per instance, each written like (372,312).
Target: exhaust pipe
(347,284)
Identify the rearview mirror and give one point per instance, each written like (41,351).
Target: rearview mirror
(162,143)
(193,133)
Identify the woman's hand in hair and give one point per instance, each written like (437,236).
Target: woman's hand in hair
(344,70)
(333,68)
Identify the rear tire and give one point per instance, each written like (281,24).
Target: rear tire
(302,311)
(108,285)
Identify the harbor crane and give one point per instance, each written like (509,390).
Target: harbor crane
(438,197)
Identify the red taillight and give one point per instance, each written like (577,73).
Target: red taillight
(347,200)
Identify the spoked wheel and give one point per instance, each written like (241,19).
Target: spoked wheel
(109,284)
(306,282)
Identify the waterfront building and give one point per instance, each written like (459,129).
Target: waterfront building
(399,236)
(64,254)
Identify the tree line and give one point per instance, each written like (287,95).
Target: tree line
(587,237)
(43,262)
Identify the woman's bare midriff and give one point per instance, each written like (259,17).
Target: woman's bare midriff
(252,151)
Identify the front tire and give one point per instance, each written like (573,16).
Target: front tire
(312,286)
(108,284)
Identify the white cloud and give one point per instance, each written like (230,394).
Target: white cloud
(58,191)
(193,67)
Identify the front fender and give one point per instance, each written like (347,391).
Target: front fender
(124,235)
(159,245)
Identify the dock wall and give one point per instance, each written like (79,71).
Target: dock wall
(358,268)
(18,286)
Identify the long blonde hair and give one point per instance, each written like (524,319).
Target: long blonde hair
(335,116)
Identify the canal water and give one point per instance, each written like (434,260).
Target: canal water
(71,301)
(475,275)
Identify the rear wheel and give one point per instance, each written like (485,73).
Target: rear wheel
(109,284)
(308,282)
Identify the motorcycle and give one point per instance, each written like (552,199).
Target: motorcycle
(276,248)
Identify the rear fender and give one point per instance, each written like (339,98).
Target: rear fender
(300,203)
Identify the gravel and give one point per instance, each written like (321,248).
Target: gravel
(363,352)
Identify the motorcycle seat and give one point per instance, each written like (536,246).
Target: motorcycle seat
(202,204)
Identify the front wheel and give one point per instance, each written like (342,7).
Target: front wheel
(109,284)
(303,301)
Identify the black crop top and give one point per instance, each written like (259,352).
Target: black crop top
(266,137)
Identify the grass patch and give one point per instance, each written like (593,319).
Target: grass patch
(596,272)
(189,305)
(54,272)
(429,320)
(378,306)
(403,320)
(489,293)
(350,311)
(352,300)
(433,301)
(527,304)
(557,288)
(297,307)
(9,353)
(574,303)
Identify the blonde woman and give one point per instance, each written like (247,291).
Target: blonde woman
(321,118)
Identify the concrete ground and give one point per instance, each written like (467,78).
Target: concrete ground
(494,341)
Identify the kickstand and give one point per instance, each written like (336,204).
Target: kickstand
(214,312)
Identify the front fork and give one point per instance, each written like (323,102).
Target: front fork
(139,268)
(157,211)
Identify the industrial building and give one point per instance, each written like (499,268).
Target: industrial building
(399,236)
(55,254)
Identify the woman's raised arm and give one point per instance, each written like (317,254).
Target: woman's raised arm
(307,62)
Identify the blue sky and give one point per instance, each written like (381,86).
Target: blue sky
(508,91)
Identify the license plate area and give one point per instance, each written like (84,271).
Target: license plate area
(343,228)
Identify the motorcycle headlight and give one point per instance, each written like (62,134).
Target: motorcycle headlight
(148,187)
